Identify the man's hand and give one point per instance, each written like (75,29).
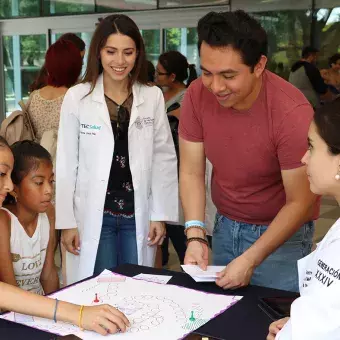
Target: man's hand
(156,233)
(275,328)
(197,253)
(236,274)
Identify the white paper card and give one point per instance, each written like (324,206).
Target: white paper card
(200,275)
(163,279)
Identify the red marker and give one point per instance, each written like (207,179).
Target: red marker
(96,299)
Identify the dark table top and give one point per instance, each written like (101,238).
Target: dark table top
(245,320)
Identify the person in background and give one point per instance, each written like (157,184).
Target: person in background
(172,71)
(306,77)
(27,236)
(331,75)
(102,319)
(116,163)
(63,65)
(252,126)
(282,71)
(315,315)
(41,79)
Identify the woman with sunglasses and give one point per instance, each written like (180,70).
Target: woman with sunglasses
(116,162)
(171,72)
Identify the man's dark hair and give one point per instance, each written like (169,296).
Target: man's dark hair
(308,51)
(235,29)
(333,59)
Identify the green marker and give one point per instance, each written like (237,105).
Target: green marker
(192,318)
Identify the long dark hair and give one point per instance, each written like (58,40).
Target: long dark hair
(327,121)
(113,24)
(176,63)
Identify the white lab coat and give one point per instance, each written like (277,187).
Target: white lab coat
(316,314)
(84,157)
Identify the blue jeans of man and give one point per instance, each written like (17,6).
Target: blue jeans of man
(117,244)
(279,270)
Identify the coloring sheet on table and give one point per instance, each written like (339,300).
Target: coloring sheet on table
(156,311)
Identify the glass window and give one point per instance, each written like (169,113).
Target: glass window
(270,5)
(52,7)
(125,5)
(288,32)
(327,30)
(152,44)
(183,40)
(23,57)
(19,8)
(191,3)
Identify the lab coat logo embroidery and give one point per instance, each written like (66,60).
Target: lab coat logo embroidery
(139,123)
(148,121)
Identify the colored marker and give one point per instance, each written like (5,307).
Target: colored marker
(192,318)
(96,299)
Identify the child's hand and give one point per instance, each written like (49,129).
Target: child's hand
(275,328)
(104,319)
(70,240)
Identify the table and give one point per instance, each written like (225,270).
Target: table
(245,320)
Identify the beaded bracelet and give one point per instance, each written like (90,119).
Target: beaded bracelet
(196,227)
(199,239)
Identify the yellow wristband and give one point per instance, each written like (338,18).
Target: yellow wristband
(81,318)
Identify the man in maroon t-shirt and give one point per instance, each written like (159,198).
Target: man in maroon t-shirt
(252,126)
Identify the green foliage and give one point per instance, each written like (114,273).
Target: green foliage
(33,48)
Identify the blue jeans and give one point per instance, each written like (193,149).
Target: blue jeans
(279,270)
(117,244)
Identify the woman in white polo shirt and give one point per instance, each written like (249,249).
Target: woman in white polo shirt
(316,314)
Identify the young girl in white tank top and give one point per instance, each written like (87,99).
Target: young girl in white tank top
(103,319)
(28,238)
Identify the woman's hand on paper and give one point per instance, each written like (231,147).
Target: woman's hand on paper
(71,241)
(157,233)
(275,328)
(104,319)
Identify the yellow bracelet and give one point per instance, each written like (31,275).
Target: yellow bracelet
(81,317)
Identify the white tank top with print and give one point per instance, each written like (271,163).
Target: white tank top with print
(28,253)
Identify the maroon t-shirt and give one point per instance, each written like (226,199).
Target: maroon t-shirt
(248,149)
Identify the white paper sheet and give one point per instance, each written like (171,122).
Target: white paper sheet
(163,279)
(155,311)
(200,275)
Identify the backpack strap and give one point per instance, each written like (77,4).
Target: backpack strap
(24,108)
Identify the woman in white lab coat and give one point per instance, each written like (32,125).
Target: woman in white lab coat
(316,314)
(116,162)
